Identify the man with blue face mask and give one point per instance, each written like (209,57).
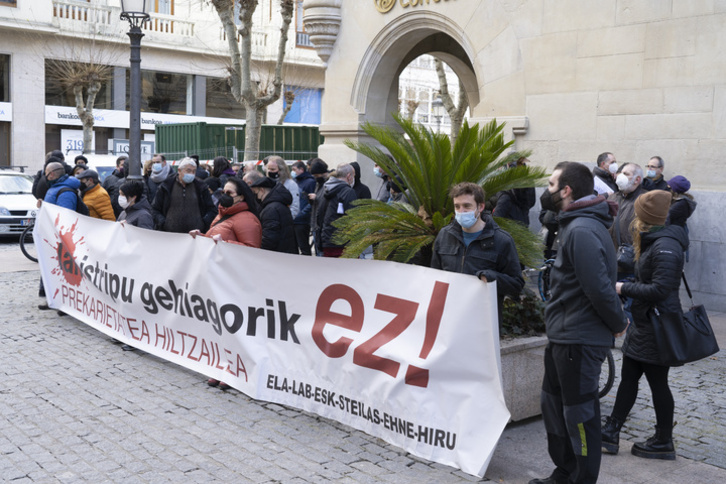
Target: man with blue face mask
(182,202)
(654,179)
(474,244)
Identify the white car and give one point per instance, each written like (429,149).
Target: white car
(18,206)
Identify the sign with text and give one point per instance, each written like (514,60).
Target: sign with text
(405,353)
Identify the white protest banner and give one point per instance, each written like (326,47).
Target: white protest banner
(404,353)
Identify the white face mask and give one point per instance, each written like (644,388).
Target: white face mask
(123,202)
(624,183)
(613,168)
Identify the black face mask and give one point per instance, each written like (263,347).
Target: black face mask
(226,201)
(274,175)
(320,180)
(550,201)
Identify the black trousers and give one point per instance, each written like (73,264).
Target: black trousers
(571,410)
(302,237)
(657,377)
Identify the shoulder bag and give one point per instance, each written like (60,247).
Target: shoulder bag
(683,337)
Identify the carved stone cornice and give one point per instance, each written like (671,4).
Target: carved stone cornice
(322,23)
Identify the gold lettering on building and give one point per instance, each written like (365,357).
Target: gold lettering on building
(385,6)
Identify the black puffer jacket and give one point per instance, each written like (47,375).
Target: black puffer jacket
(277,230)
(681,209)
(584,309)
(658,277)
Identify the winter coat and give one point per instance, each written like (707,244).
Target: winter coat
(111,184)
(605,177)
(515,204)
(98,203)
(240,226)
(305,183)
(680,211)
(657,280)
(139,215)
(295,192)
(337,199)
(655,184)
(276,220)
(69,198)
(625,216)
(40,184)
(492,255)
(584,308)
(162,201)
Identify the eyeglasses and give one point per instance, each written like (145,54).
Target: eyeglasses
(654,167)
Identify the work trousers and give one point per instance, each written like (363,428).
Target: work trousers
(571,410)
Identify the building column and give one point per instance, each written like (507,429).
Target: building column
(118,91)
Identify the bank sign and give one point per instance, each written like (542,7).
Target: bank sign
(385,6)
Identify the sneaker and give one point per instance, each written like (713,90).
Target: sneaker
(224,386)
(43,307)
(212,382)
(128,348)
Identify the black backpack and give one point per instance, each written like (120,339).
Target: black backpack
(81,207)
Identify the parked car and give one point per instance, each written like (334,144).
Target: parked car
(18,206)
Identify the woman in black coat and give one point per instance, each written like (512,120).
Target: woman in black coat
(659,264)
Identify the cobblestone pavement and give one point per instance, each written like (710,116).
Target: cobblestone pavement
(700,409)
(74,407)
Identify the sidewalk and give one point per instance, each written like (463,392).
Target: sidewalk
(75,408)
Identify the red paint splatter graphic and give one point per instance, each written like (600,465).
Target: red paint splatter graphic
(65,250)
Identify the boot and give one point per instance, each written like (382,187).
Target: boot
(611,435)
(660,446)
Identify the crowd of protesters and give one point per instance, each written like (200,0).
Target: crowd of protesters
(592,218)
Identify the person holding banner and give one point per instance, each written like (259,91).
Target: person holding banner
(277,229)
(474,244)
(581,317)
(136,207)
(238,223)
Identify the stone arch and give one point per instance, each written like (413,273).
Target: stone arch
(375,90)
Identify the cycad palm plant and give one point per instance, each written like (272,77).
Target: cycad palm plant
(429,166)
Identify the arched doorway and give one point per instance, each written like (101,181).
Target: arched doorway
(375,90)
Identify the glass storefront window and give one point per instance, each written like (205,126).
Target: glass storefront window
(59,84)
(220,103)
(4,78)
(161,92)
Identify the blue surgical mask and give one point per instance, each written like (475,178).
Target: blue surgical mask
(156,167)
(466,219)
(293,174)
(378,172)
(188,178)
(650,174)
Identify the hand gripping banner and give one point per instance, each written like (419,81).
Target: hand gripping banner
(405,353)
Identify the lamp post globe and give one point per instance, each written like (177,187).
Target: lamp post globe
(136,12)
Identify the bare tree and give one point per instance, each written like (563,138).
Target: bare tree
(456,111)
(83,73)
(412,106)
(254,97)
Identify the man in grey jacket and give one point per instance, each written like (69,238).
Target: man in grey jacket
(582,317)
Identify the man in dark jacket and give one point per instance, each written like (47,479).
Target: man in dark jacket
(319,171)
(474,244)
(183,203)
(603,174)
(630,185)
(361,190)
(581,318)
(654,179)
(275,217)
(337,199)
(306,184)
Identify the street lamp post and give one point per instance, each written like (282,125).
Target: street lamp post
(437,108)
(136,12)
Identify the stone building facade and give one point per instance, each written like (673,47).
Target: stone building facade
(572,78)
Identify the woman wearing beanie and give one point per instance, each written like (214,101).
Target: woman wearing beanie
(659,263)
(682,205)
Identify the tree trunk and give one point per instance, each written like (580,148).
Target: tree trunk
(85,113)
(253,129)
(289,100)
(455,111)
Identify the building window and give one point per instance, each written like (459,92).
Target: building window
(302,39)
(8,3)
(306,107)
(4,78)
(59,83)
(165,7)
(220,102)
(161,92)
